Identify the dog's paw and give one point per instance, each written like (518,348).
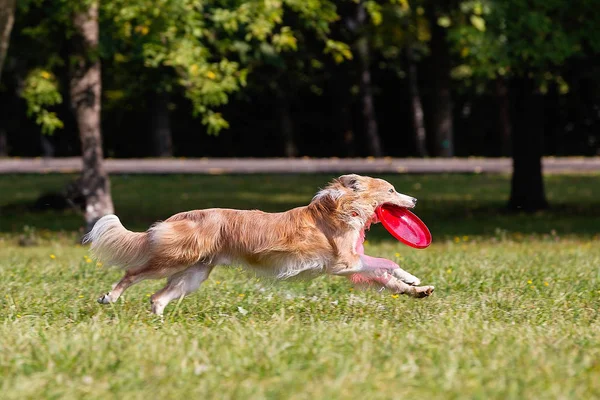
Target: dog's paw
(423,291)
(406,277)
(412,281)
(104,299)
(157,308)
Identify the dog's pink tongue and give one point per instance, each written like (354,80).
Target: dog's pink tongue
(360,248)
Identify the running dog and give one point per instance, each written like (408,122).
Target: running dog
(324,237)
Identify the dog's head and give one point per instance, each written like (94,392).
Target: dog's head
(375,191)
(356,197)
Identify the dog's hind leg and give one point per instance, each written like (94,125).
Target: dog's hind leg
(131,278)
(179,285)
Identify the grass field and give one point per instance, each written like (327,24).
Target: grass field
(515,313)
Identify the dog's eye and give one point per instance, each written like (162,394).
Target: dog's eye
(391,190)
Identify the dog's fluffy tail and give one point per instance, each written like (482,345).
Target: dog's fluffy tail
(112,244)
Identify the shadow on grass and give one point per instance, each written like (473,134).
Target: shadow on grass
(451,205)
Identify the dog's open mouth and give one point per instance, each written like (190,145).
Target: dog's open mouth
(373,220)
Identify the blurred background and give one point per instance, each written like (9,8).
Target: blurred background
(190,78)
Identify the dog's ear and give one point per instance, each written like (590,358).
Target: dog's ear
(350,181)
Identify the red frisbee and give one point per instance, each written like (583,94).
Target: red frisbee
(404,226)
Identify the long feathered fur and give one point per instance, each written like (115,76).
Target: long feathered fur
(115,245)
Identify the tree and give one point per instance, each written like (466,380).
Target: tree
(404,28)
(286,62)
(442,119)
(358,25)
(539,38)
(504,124)
(161,125)
(7,19)
(527,184)
(85,93)
(519,47)
(365,85)
(400,34)
(273,46)
(416,106)
(209,48)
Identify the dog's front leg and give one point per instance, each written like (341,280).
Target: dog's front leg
(358,263)
(384,279)
(374,263)
(363,263)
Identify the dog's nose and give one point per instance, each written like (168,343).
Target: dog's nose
(414,201)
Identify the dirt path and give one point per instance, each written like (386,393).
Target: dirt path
(299,165)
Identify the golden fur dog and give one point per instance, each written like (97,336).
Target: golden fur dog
(325,237)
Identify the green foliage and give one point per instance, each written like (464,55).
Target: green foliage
(206,48)
(285,40)
(175,35)
(212,49)
(209,45)
(340,51)
(401,26)
(505,38)
(41,92)
(374,10)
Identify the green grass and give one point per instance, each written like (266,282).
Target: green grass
(515,312)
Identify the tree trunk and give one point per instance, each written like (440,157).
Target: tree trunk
(503,116)
(161,126)
(345,138)
(47,146)
(366,89)
(416,107)
(7,20)
(85,90)
(3,143)
(348,140)
(441,115)
(286,125)
(527,187)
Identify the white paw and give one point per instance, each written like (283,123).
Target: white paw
(423,291)
(158,307)
(105,299)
